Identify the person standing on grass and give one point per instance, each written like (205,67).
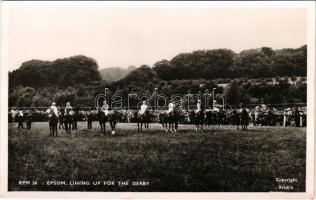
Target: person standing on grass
(20,119)
(296,116)
(29,119)
(89,119)
(75,120)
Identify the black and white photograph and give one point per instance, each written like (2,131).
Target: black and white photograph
(206,97)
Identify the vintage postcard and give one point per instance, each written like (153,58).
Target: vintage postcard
(158,99)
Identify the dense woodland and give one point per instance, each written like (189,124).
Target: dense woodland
(252,76)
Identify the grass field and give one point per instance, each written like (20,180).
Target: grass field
(219,159)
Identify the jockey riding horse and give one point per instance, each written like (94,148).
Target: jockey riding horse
(198,116)
(143,117)
(68,117)
(53,119)
(104,115)
(170,119)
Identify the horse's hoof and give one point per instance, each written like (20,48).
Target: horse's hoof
(113,132)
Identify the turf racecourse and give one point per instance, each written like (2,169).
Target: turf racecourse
(219,159)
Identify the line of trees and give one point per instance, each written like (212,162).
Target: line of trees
(224,63)
(77,79)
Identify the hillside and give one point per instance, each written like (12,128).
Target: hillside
(65,72)
(115,73)
(252,76)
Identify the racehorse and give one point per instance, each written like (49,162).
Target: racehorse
(61,121)
(197,118)
(53,122)
(75,120)
(244,119)
(235,116)
(68,118)
(110,117)
(170,121)
(143,119)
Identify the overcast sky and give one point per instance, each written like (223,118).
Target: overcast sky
(119,37)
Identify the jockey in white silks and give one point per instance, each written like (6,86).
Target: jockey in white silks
(198,106)
(171,107)
(54,109)
(143,108)
(105,108)
(68,109)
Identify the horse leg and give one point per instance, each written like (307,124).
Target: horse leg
(68,127)
(112,127)
(176,126)
(166,126)
(50,130)
(101,127)
(56,129)
(146,125)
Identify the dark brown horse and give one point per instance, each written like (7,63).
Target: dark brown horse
(198,119)
(143,119)
(104,117)
(52,122)
(170,120)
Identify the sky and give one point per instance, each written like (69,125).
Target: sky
(124,36)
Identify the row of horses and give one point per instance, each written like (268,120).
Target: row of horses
(168,120)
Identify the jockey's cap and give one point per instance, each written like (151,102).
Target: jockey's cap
(53,104)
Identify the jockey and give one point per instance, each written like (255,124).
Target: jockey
(171,107)
(143,108)
(54,108)
(105,107)
(68,109)
(198,106)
